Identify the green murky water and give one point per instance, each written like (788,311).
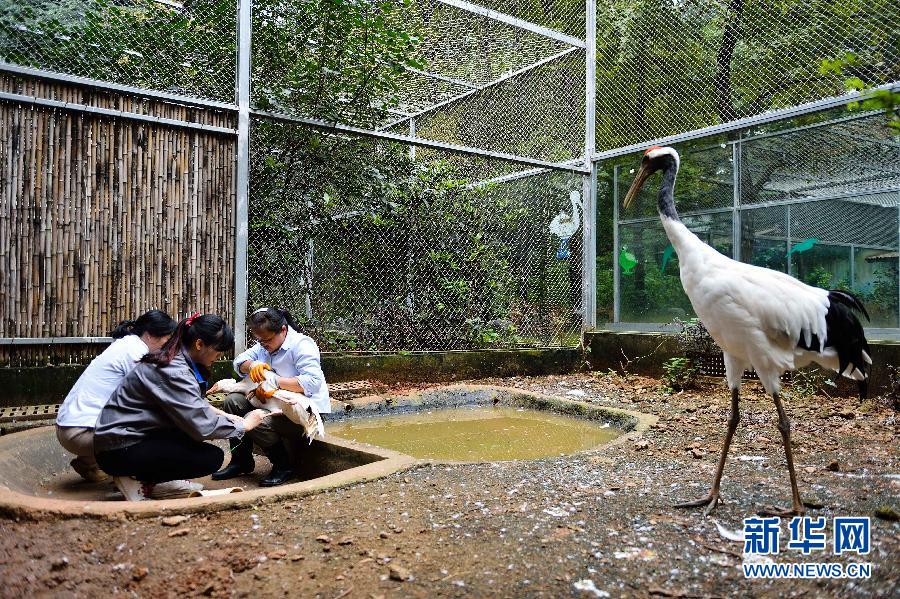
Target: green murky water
(475,434)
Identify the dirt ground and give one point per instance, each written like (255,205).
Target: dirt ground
(516,529)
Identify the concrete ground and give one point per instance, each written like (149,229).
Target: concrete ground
(591,525)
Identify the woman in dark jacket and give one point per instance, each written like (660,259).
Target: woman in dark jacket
(152,429)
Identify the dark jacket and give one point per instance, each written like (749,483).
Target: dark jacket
(152,399)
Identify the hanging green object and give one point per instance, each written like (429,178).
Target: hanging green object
(667,253)
(802,246)
(627,261)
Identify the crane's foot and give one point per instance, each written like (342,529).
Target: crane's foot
(778,512)
(710,501)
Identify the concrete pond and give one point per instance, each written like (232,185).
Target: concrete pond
(444,424)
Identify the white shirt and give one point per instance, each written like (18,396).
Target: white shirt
(93,388)
(297,357)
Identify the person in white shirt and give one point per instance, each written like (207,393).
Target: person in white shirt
(288,360)
(78,414)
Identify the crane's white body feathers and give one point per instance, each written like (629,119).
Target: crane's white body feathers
(755,315)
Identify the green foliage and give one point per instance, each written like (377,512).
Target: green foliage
(693,339)
(818,277)
(679,374)
(810,381)
(887,100)
(142,43)
(404,254)
(337,60)
(658,61)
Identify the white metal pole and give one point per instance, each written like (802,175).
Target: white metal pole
(617,286)
(243,177)
(787,235)
(736,188)
(589,195)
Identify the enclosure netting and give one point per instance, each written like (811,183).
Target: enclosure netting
(379,245)
(374,250)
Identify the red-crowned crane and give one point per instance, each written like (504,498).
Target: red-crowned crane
(761,318)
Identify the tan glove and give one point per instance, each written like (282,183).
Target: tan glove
(258,371)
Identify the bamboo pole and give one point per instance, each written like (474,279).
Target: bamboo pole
(6,136)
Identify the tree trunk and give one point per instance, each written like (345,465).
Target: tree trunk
(722,80)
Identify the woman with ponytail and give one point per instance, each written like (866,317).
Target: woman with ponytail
(288,360)
(151,432)
(132,339)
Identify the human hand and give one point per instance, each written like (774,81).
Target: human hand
(213,389)
(262,394)
(254,419)
(258,371)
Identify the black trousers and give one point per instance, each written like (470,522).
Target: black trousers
(271,431)
(165,456)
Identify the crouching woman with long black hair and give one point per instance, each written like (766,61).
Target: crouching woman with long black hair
(152,428)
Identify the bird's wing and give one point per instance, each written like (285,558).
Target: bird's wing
(742,299)
(233,386)
(300,410)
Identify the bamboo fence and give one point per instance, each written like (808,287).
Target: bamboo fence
(103,218)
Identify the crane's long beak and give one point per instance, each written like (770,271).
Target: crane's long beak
(639,181)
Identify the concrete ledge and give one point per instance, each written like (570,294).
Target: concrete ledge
(50,384)
(31,457)
(648,351)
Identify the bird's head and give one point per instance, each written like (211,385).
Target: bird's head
(654,159)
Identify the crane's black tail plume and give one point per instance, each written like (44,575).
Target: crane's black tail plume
(845,334)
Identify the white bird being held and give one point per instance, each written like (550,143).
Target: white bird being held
(295,406)
(761,318)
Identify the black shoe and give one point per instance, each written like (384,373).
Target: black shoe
(282,471)
(279,476)
(234,469)
(241,461)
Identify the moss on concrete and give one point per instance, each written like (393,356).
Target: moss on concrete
(466,395)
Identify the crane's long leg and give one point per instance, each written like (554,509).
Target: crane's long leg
(784,425)
(711,500)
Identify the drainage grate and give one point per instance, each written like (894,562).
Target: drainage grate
(349,389)
(20,413)
(714,366)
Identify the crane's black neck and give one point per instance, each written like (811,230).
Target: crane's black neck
(665,200)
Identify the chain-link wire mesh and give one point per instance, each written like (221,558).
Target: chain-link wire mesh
(820,201)
(371,250)
(852,156)
(566,16)
(376,245)
(464,78)
(538,114)
(668,67)
(180,47)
